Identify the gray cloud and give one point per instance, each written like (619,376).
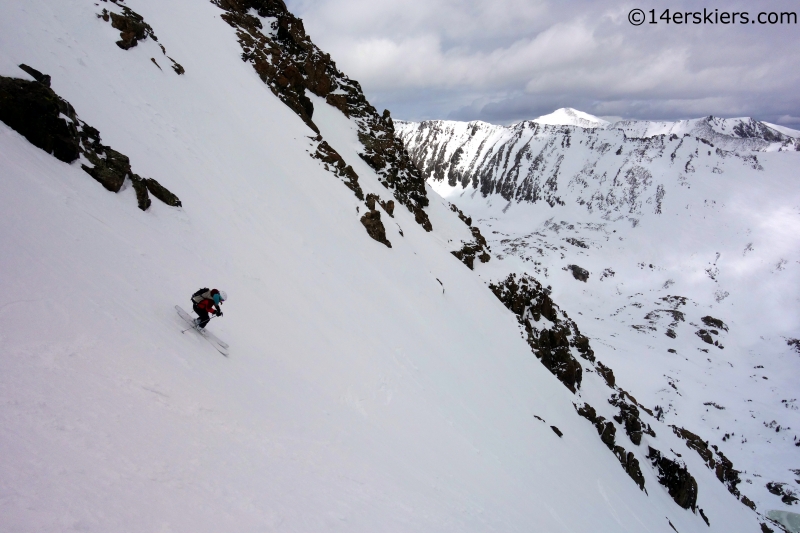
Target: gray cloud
(508,60)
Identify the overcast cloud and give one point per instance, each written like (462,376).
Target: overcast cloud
(506,60)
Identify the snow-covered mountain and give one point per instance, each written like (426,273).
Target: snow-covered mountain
(676,257)
(567,116)
(378,378)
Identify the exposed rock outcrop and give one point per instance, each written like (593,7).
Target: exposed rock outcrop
(581,274)
(372,199)
(786,494)
(715,460)
(630,464)
(132,29)
(375,229)
(160,192)
(712,322)
(680,484)
(335,164)
(629,417)
(477,248)
(551,343)
(606,373)
(35,112)
(49,122)
(607,431)
(527,299)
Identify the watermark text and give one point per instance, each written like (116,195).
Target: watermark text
(637,17)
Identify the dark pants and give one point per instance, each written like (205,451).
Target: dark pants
(203,314)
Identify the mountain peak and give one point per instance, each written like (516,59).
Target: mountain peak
(566,116)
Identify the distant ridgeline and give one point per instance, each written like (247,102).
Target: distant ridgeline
(614,169)
(49,122)
(275,43)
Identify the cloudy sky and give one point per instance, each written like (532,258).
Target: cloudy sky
(506,60)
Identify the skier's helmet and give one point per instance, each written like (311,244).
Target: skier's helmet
(223,296)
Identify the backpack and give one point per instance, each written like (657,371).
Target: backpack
(198,293)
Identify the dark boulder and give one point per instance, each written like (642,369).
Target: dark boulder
(470,250)
(712,322)
(705,336)
(372,222)
(780,489)
(140,187)
(110,170)
(581,274)
(631,465)
(607,374)
(748,502)
(162,193)
(38,114)
(606,430)
(131,26)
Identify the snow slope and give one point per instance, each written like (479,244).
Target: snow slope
(367,389)
(783,129)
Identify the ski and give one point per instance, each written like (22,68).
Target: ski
(220,346)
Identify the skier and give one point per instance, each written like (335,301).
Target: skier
(204,301)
